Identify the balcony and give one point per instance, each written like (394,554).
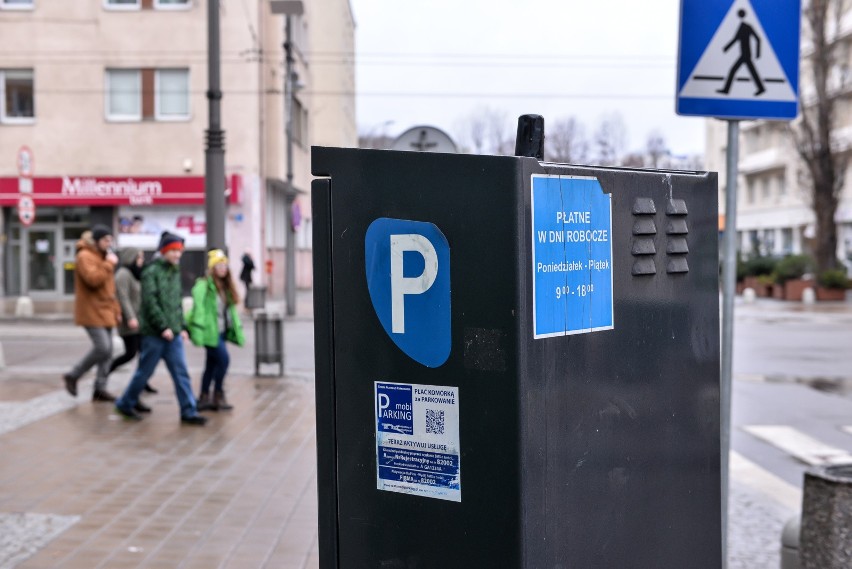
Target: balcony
(774,158)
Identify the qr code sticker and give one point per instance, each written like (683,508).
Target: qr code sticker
(434,421)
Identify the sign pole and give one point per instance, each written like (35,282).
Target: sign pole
(729,281)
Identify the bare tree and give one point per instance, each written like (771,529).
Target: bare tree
(813,132)
(655,149)
(610,139)
(487,130)
(472,131)
(566,141)
(500,132)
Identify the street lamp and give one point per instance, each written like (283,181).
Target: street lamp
(289,8)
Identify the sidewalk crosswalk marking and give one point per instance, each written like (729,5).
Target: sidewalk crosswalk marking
(796,443)
(746,472)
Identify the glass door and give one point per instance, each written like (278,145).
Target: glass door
(41,261)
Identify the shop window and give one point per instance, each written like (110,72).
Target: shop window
(16,4)
(17,96)
(147,94)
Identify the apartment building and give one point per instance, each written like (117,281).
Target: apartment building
(774,215)
(108,97)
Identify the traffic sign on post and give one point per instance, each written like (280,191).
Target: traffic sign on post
(25,162)
(739,59)
(26,210)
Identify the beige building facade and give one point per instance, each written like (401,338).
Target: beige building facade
(104,102)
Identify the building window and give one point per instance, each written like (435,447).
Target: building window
(147,94)
(123,87)
(782,187)
(787,240)
(16,4)
(146,4)
(766,190)
(300,123)
(17,96)
(750,191)
(171,4)
(172,89)
(122,4)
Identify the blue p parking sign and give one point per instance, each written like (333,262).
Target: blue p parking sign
(408,276)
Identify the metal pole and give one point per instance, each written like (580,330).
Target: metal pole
(214,153)
(729,281)
(290,283)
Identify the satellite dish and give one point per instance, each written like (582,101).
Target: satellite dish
(425,139)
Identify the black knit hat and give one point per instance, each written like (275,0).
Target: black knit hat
(100,231)
(170,241)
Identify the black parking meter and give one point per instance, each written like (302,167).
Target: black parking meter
(517,363)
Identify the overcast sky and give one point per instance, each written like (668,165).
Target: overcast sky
(437,61)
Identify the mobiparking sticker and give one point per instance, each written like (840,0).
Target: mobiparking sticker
(417,440)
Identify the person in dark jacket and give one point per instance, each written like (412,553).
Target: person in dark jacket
(95,307)
(128,287)
(163,332)
(248,268)
(212,322)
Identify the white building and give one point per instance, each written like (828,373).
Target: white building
(774,216)
(110,98)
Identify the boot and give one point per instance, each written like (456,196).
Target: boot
(220,402)
(204,403)
(103,395)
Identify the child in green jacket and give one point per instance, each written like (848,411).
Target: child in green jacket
(212,322)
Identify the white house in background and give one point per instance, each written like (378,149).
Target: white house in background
(774,215)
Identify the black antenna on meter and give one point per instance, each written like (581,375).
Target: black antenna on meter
(530,138)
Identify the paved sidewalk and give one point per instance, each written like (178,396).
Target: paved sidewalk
(81,488)
(238,493)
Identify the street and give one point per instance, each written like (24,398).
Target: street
(257,464)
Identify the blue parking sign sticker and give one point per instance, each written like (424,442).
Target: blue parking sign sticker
(417,440)
(571,256)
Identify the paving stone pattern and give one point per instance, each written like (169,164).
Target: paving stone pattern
(22,535)
(754,536)
(240,492)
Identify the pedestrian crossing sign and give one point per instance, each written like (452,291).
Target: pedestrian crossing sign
(739,59)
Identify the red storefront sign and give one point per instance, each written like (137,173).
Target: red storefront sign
(104,191)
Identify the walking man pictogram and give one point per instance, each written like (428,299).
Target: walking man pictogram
(743,36)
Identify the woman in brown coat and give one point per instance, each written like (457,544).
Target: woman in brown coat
(96,307)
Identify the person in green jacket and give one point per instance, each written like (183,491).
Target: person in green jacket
(163,331)
(213,321)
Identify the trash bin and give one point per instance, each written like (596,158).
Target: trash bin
(517,363)
(826,533)
(256,297)
(268,341)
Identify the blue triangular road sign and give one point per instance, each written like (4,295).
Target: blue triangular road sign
(739,58)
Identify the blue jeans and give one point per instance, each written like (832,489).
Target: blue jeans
(154,349)
(215,367)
